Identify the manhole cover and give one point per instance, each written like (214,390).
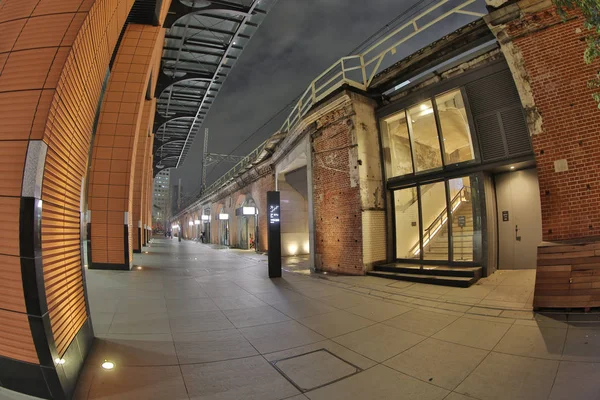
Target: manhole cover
(314,369)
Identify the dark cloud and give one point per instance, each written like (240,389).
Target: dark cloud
(298,40)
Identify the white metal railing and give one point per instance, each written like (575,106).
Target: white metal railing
(356,70)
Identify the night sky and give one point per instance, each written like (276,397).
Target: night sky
(298,40)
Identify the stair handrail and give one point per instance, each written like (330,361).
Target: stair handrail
(463,195)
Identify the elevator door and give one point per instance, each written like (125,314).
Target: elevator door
(519,219)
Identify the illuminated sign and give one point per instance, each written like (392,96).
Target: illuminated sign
(273,214)
(205,217)
(274,234)
(197,222)
(248,210)
(191,223)
(223,217)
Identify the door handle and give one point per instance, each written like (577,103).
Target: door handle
(517,237)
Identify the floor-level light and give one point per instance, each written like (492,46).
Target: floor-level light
(107,365)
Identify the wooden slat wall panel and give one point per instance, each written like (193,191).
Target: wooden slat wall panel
(568,275)
(15,337)
(113,172)
(93,34)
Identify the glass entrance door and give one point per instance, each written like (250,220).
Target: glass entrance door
(439,221)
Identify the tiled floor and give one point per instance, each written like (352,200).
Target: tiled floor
(194,322)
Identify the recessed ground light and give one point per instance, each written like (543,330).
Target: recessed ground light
(59,361)
(139,268)
(512,167)
(107,365)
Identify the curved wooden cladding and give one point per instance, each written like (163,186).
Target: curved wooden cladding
(54,55)
(114,153)
(139,179)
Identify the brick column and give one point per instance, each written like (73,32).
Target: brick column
(545,55)
(113,171)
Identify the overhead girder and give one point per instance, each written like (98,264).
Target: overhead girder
(165,81)
(159,120)
(178,10)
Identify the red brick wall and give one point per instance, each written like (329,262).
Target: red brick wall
(553,59)
(337,207)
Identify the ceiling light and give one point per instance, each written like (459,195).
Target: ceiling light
(59,361)
(424,107)
(107,365)
(512,167)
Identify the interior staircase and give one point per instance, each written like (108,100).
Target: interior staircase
(435,247)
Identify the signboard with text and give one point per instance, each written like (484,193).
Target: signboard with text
(274,233)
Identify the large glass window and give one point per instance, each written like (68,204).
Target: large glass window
(425,140)
(396,149)
(407,223)
(411,138)
(466,218)
(458,146)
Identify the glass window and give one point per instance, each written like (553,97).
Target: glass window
(407,223)
(425,140)
(466,218)
(458,146)
(396,146)
(435,217)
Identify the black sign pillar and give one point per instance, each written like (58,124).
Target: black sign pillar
(274,234)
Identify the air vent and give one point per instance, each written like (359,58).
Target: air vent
(515,131)
(490,137)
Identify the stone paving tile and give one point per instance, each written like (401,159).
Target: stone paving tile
(247,378)
(254,316)
(422,322)
(200,322)
(135,350)
(335,323)
(503,376)
(474,333)
(533,342)
(140,323)
(149,383)
(303,308)
(379,342)
(576,380)
(582,344)
(378,311)
(202,347)
(279,336)
(441,363)
(379,382)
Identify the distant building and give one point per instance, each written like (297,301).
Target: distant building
(161,209)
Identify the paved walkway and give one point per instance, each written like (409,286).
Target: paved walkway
(199,323)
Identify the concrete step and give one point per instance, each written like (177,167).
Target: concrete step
(455,281)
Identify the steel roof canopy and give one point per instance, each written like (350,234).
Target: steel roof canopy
(203,41)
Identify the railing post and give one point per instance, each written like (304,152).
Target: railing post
(363,70)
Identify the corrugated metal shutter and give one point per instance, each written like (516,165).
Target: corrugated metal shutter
(515,131)
(490,137)
(499,118)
